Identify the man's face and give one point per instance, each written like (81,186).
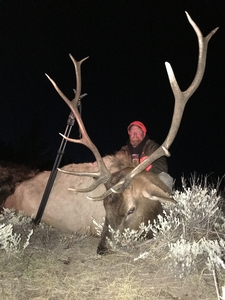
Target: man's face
(136,135)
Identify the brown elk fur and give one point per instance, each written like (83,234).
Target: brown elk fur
(66,210)
(12,174)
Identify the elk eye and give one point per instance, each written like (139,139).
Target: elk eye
(130,211)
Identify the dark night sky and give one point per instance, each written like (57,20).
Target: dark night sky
(125,77)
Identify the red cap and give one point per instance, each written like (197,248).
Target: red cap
(139,124)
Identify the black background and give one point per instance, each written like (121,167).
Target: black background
(125,77)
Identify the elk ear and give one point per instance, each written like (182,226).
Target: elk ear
(157,195)
(150,186)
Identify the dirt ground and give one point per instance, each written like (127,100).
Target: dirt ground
(58,265)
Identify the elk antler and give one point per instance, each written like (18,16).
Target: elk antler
(181,99)
(103,174)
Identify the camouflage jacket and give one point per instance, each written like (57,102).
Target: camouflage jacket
(158,166)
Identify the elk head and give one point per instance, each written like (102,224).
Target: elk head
(132,195)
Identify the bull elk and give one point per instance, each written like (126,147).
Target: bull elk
(123,187)
(131,195)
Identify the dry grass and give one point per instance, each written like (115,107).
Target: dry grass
(58,266)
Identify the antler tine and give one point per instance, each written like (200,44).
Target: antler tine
(181,99)
(103,174)
(90,174)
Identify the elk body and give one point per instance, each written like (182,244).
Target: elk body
(130,195)
(65,210)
